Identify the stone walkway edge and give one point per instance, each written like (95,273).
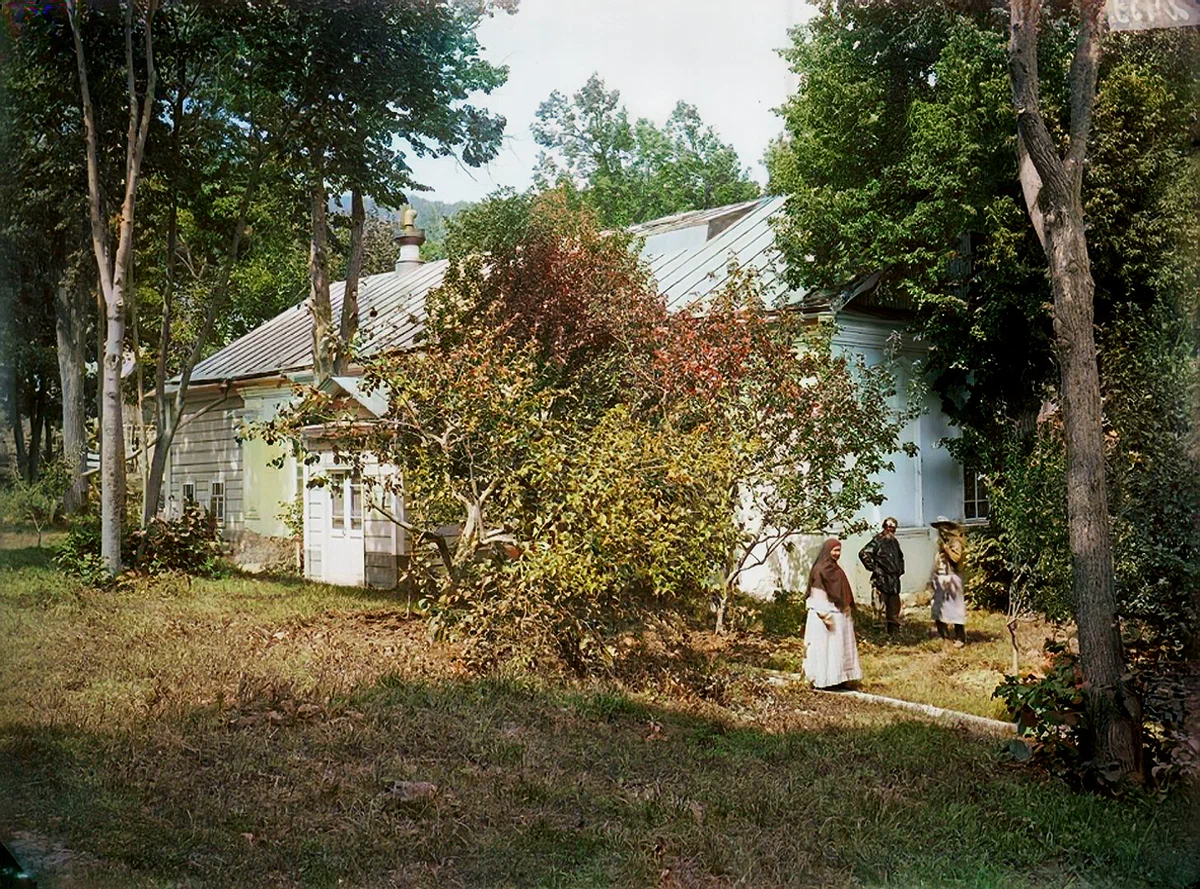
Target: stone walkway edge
(939,713)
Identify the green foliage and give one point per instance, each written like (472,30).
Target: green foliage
(1050,714)
(896,149)
(39,502)
(1029,507)
(987,575)
(189,544)
(1154,478)
(632,172)
(79,553)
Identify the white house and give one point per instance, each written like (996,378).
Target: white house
(349,541)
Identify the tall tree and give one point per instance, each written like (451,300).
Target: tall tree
(43,206)
(1113,710)
(365,84)
(628,171)
(900,159)
(113,265)
(214,155)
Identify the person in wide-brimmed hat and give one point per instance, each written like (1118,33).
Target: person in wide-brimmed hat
(949,604)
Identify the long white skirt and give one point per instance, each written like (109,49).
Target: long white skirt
(830,655)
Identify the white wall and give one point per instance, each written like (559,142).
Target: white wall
(918,490)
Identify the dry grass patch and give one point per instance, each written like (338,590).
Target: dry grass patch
(916,665)
(249,733)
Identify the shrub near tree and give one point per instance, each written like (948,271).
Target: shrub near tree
(807,431)
(592,454)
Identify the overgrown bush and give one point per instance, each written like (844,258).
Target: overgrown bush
(1154,477)
(1029,512)
(189,544)
(987,570)
(37,503)
(79,553)
(1050,714)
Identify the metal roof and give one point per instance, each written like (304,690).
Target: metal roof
(391,307)
(393,303)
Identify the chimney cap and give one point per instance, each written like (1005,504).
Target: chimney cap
(410,234)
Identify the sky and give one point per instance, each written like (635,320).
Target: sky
(719,55)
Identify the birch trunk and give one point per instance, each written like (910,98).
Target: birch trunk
(114,269)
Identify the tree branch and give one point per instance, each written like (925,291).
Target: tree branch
(1024,20)
(1085,70)
(99,236)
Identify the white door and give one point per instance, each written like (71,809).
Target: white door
(344,559)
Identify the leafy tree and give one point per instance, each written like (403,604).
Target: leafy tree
(807,431)
(634,171)
(896,150)
(47,282)
(359,86)
(516,425)
(113,262)
(577,457)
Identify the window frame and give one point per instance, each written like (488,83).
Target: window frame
(216,500)
(977,506)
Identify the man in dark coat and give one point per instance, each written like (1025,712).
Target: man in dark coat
(885,560)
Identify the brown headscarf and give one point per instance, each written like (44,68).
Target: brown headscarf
(828,575)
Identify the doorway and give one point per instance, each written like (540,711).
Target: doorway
(345,556)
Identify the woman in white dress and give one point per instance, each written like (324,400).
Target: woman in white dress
(830,649)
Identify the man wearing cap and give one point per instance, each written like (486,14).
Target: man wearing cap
(885,560)
(949,605)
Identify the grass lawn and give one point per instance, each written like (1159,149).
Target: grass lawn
(916,665)
(248,732)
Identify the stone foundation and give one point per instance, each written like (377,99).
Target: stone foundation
(257,554)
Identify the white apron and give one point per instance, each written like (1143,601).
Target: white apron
(830,655)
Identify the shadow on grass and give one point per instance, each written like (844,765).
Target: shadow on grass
(19,558)
(544,787)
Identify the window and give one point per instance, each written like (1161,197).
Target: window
(189,493)
(337,501)
(216,501)
(975,497)
(356,503)
(346,502)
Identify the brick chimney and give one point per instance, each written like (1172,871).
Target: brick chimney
(410,241)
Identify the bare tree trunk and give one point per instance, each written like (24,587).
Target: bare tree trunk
(15,418)
(70,313)
(47,438)
(318,268)
(114,269)
(349,323)
(1113,711)
(101,335)
(142,445)
(37,415)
